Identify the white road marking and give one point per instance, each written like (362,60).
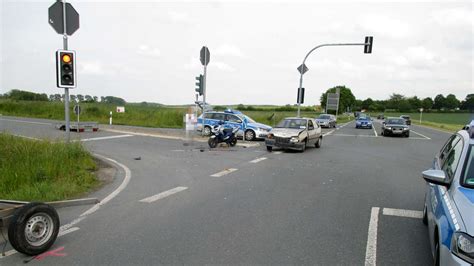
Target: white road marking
(225,172)
(277,152)
(328,133)
(375,131)
(258,160)
(126,180)
(402,213)
(9,253)
(68,231)
(163,194)
(27,122)
(60,234)
(109,137)
(21,136)
(371,249)
(348,135)
(420,134)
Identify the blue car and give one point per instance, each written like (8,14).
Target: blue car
(363,122)
(449,202)
(246,125)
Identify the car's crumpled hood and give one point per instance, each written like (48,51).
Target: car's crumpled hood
(286,132)
(464,200)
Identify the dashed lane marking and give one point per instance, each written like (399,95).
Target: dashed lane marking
(402,213)
(225,172)
(277,152)
(163,195)
(258,160)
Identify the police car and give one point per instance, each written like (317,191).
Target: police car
(247,125)
(449,202)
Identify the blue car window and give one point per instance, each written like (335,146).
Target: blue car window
(447,147)
(218,116)
(452,159)
(469,168)
(233,119)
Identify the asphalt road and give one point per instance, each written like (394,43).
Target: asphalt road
(354,201)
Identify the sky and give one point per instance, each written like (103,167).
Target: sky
(149,50)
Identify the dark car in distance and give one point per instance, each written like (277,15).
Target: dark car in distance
(394,126)
(407,119)
(381,116)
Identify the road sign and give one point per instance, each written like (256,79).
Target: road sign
(205,56)
(302,69)
(332,101)
(56,18)
(77,109)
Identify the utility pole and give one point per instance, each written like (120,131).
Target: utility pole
(303,69)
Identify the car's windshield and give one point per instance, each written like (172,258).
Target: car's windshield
(292,123)
(324,117)
(396,121)
(468,173)
(363,118)
(249,120)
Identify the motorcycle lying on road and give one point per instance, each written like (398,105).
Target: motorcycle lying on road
(219,134)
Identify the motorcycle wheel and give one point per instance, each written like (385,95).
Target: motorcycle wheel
(212,142)
(233,142)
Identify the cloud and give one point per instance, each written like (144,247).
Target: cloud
(91,68)
(195,64)
(149,51)
(223,66)
(177,17)
(415,57)
(453,17)
(383,25)
(229,50)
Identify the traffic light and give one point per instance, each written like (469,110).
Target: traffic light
(369,40)
(65,69)
(300,96)
(200,84)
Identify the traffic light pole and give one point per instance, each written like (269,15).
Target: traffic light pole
(319,46)
(204,100)
(66,90)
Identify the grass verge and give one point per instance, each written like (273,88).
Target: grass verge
(44,171)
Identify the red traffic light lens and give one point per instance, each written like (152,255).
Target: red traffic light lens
(67,58)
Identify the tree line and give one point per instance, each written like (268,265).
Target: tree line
(19,95)
(399,102)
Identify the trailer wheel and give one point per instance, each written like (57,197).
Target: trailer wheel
(34,228)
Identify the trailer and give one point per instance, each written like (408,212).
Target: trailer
(33,226)
(80,127)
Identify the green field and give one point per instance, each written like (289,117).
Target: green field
(135,114)
(446,121)
(172,117)
(43,171)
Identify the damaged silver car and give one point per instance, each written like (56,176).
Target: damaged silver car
(294,133)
